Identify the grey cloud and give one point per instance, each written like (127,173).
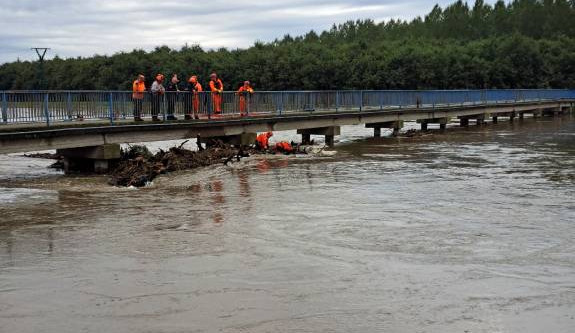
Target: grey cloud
(83,28)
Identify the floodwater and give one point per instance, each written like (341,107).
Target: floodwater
(471,230)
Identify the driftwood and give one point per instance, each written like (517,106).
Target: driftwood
(140,170)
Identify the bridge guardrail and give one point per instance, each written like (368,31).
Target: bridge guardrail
(51,107)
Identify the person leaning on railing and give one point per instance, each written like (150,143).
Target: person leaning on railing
(195,88)
(217,89)
(138,90)
(173,89)
(244,92)
(158,91)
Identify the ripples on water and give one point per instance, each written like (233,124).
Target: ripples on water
(471,230)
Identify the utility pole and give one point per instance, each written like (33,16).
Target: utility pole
(41,52)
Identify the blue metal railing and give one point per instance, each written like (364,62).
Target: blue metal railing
(50,107)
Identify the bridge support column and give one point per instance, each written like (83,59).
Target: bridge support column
(306,139)
(511,117)
(521,116)
(464,122)
(328,132)
(553,112)
(98,159)
(537,113)
(423,125)
(395,125)
(441,121)
(495,120)
(481,120)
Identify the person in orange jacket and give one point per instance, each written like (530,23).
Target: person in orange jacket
(195,88)
(138,90)
(284,147)
(262,140)
(217,88)
(244,92)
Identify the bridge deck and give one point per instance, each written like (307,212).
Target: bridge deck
(27,137)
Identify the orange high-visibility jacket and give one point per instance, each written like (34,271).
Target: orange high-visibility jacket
(216,86)
(263,140)
(243,89)
(284,146)
(198,88)
(138,89)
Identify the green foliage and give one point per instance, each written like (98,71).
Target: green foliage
(520,44)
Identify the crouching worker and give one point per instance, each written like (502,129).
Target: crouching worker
(284,147)
(262,141)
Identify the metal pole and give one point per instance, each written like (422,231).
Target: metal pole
(41,52)
(46,110)
(111,108)
(163,106)
(281,103)
(69,105)
(4,107)
(360,100)
(336,100)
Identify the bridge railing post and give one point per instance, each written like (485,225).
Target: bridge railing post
(4,107)
(163,107)
(336,101)
(360,100)
(69,105)
(111,108)
(281,103)
(46,108)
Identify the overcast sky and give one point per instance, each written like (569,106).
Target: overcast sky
(83,28)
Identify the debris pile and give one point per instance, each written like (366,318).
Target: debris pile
(138,166)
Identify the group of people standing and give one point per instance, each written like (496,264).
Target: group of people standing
(191,101)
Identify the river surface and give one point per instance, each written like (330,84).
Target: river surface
(471,230)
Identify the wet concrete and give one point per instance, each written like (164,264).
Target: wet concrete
(464,231)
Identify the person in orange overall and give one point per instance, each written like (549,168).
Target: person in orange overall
(284,147)
(195,88)
(262,140)
(244,92)
(217,88)
(138,90)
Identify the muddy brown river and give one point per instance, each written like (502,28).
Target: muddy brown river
(471,230)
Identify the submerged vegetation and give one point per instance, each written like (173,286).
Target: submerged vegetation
(519,44)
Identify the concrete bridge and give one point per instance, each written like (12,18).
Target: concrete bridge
(96,138)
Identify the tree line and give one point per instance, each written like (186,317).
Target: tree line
(519,44)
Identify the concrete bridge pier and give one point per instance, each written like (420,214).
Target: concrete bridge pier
(396,125)
(495,119)
(328,132)
(441,121)
(479,119)
(98,159)
(551,112)
(537,113)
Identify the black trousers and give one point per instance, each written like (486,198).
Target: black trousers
(156,105)
(172,98)
(137,108)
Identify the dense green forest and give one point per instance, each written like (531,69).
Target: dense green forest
(518,44)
